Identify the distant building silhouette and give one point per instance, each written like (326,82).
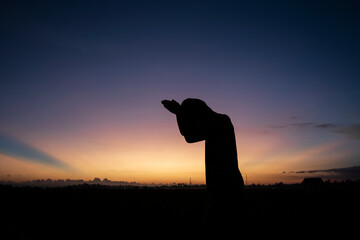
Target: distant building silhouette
(312,183)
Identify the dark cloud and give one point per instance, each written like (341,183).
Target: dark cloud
(25,152)
(278,126)
(326,125)
(304,124)
(352,131)
(341,173)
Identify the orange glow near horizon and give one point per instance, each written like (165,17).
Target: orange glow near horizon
(79,100)
(162,156)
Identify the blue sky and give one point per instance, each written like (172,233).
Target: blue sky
(75,69)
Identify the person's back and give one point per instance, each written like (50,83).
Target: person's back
(221,162)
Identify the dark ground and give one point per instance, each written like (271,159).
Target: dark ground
(109,213)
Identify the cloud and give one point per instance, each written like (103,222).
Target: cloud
(352,131)
(278,126)
(326,126)
(25,152)
(341,173)
(306,124)
(303,124)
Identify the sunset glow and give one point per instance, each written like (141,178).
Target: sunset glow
(82,84)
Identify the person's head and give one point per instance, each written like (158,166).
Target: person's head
(196,107)
(198,115)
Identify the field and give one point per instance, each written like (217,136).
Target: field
(105,212)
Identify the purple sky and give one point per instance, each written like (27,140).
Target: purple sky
(78,70)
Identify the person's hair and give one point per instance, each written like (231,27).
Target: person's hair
(196,107)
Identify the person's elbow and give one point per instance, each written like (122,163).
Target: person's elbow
(192,139)
(189,139)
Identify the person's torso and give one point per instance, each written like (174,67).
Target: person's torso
(221,164)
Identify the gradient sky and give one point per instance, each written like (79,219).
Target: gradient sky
(81,84)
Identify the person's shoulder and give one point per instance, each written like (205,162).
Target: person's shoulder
(225,120)
(225,117)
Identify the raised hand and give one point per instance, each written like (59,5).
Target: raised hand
(173,106)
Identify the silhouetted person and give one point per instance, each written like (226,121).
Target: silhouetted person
(224,182)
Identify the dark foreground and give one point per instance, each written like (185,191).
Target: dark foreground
(111,213)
